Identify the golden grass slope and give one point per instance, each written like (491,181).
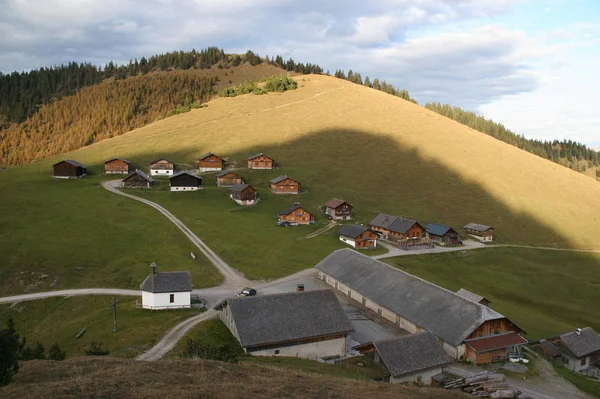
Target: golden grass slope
(384,154)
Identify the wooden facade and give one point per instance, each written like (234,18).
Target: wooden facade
(243,194)
(161,167)
(415,232)
(69,169)
(481,232)
(210,162)
(284,186)
(337,209)
(368,239)
(137,179)
(260,161)
(297,215)
(228,179)
(116,166)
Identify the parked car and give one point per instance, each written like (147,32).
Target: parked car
(246,292)
(283,223)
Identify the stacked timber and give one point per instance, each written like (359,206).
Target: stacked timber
(485,385)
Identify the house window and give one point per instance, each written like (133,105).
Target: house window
(582,363)
(171,298)
(277,351)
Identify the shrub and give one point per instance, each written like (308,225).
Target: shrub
(55,353)
(96,349)
(39,352)
(197,349)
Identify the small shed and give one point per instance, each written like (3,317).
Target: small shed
(166,290)
(480,231)
(228,179)
(358,236)
(137,179)
(579,349)
(442,234)
(260,161)
(338,209)
(243,194)
(210,162)
(296,214)
(69,169)
(118,166)
(413,358)
(471,296)
(185,181)
(162,167)
(284,185)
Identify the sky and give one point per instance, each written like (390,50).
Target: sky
(529,64)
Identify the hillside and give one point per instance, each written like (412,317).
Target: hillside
(112,378)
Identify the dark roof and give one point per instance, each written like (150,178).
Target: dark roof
(117,159)
(226,172)
(185,173)
(139,172)
(436,309)
(157,160)
(393,223)
(280,179)
(471,296)
(550,348)
(334,203)
(292,209)
(352,230)
(583,343)
(72,162)
(258,155)
(477,227)
(278,318)
(168,282)
(412,353)
(494,342)
(239,187)
(208,154)
(438,229)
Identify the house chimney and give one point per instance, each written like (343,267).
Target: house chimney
(300,287)
(296,203)
(578,331)
(153,266)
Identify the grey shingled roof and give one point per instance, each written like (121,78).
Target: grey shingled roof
(412,353)
(478,227)
(292,209)
(334,203)
(436,309)
(277,318)
(550,348)
(238,187)
(208,154)
(583,344)
(183,172)
(471,296)
(139,172)
(226,172)
(118,159)
(257,155)
(393,223)
(168,282)
(352,230)
(280,179)
(159,159)
(72,162)
(438,229)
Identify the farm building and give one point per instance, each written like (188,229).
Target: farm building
(116,166)
(467,330)
(397,229)
(260,161)
(228,179)
(442,235)
(166,290)
(284,185)
(412,358)
(480,231)
(338,209)
(185,181)
(577,350)
(473,297)
(162,167)
(243,194)
(210,162)
(69,169)
(308,324)
(137,179)
(358,236)
(296,214)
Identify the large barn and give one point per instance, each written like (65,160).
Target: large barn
(69,169)
(467,330)
(308,324)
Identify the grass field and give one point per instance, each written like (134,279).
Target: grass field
(584,383)
(544,292)
(60,319)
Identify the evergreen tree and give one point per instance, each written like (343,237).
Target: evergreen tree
(9,353)
(368,82)
(39,352)
(56,353)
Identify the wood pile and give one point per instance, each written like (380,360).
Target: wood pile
(485,385)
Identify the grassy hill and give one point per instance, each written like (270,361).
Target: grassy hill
(113,378)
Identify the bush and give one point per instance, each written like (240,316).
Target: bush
(55,353)
(96,349)
(271,84)
(39,352)
(197,349)
(9,353)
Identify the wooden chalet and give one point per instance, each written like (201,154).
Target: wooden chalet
(577,350)
(296,214)
(228,179)
(397,229)
(260,161)
(480,231)
(137,179)
(69,169)
(185,181)
(162,167)
(210,162)
(358,236)
(284,185)
(338,209)
(118,166)
(442,235)
(243,194)
(466,329)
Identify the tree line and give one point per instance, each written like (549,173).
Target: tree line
(355,77)
(568,153)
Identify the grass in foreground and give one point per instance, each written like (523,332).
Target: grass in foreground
(544,292)
(582,382)
(61,319)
